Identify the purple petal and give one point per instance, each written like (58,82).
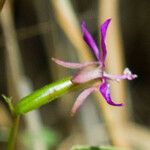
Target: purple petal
(103,30)
(105,91)
(81,98)
(73,65)
(90,41)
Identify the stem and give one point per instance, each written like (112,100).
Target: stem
(13,133)
(43,95)
(9,103)
(46,94)
(37,99)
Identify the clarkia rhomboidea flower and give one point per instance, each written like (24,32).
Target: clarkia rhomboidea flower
(95,70)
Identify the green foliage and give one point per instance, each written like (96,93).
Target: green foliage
(9,103)
(93,148)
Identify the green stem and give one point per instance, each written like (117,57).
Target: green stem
(13,133)
(37,99)
(43,95)
(9,103)
(46,94)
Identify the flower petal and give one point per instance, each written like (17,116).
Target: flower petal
(90,41)
(105,91)
(127,74)
(103,30)
(81,98)
(87,74)
(73,65)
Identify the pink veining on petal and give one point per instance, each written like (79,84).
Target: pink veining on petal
(90,41)
(105,91)
(87,74)
(81,98)
(103,30)
(72,65)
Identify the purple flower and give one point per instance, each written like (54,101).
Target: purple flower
(94,70)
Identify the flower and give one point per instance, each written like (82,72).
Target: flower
(88,71)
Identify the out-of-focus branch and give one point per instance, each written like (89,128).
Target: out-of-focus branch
(13,62)
(116,118)
(69,23)
(18,85)
(138,136)
(5,120)
(123,132)
(1,4)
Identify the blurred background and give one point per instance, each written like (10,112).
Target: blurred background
(31,32)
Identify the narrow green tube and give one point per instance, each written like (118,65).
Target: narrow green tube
(44,95)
